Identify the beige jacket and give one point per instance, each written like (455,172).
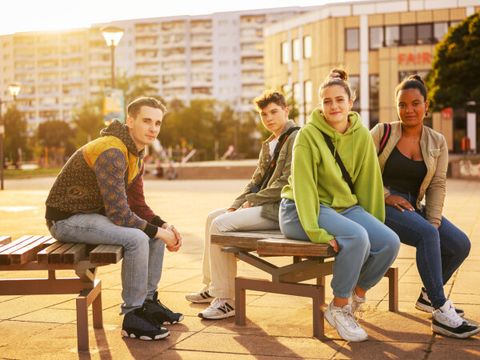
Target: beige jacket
(269,197)
(435,155)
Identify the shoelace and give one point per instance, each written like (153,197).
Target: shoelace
(350,319)
(452,317)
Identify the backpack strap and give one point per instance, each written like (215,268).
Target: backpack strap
(387,130)
(273,162)
(345,174)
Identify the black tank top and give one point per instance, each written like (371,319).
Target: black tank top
(403,174)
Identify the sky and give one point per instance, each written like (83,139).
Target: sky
(39,15)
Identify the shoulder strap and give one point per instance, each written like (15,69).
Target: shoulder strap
(387,130)
(345,174)
(273,162)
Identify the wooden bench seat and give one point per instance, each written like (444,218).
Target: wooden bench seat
(47,254)
(310,261)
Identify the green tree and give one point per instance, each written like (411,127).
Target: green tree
(454,79)
(55,137)
(15,135)
(88,121)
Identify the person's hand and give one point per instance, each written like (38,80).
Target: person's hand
(231,210)
(334,244)
(399,203)
(179,243)
(246,204)
(167,236)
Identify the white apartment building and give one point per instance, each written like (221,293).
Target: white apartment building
(216,56)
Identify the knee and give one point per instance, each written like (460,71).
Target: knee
(462,245)
(358,241)
(219,225)
(429,236)
(137,241)
(392,243)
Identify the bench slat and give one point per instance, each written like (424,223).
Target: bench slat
(243,240)
(8,249)
(106,254)
(75,254)
(29,252)
(56,256)
(5,240)
(42,256)
(287,247)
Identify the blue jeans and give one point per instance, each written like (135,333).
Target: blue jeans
(440,252)
(367,247)
(142,256)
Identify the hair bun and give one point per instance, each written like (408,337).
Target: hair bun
(338,74)
(416,77)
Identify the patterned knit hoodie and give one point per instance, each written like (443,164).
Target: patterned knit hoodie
(104,177)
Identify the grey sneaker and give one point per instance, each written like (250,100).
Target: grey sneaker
(342,319)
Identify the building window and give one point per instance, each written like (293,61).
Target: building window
(352,39)
(308,93)
(296,50)
(392,36)
(307,47)
(408,35)
(439,31)
(285,52)
(424,34)
(376,37)
(354,81)
(297,94)
(374,92)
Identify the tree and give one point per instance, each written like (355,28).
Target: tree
(55,137)
(15,135)
(454,79)
(88,121)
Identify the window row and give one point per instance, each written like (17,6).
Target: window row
(398,35)
(292,51)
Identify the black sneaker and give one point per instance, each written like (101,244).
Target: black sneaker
(423,304)
(447,322)
(138,325)
(160,312)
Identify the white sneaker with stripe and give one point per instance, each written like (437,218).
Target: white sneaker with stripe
(200,297)
(218,309)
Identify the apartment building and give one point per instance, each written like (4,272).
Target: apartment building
(216,56)
(378,43)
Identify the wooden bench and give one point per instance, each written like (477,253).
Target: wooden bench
(45,253)
(310,261)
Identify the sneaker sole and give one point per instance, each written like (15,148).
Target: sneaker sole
(217,317)
(200,301)
(330,320)
(144,337)
(180,319)
(445,332)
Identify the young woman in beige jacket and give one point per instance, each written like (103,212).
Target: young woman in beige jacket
(414,162)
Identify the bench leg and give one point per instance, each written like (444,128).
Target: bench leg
(317,312)
(82,324)
(240,302)
(97,312)
(392,275)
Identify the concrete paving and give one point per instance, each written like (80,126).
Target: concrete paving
(279,327)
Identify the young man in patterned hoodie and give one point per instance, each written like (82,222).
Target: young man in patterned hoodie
(98,199)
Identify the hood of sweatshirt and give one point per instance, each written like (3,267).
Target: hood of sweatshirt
(119,130)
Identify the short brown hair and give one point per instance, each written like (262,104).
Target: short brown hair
(270,96)
(134,107)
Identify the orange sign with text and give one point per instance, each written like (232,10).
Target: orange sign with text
(423,58)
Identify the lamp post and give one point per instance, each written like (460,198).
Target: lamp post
(14,90)
(112,36)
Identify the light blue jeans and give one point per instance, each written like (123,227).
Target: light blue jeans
(367,247)
(142,256)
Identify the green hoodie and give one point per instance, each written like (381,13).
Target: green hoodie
(317,179)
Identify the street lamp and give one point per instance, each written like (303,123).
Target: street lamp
(112,36)
(14,90)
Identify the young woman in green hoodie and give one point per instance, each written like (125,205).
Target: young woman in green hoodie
(318,204)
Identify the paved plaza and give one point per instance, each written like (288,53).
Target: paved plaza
(278,327)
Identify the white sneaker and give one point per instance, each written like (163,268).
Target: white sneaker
(200,297)
(357,302)
(218,309)
(342,319)
(446,321)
